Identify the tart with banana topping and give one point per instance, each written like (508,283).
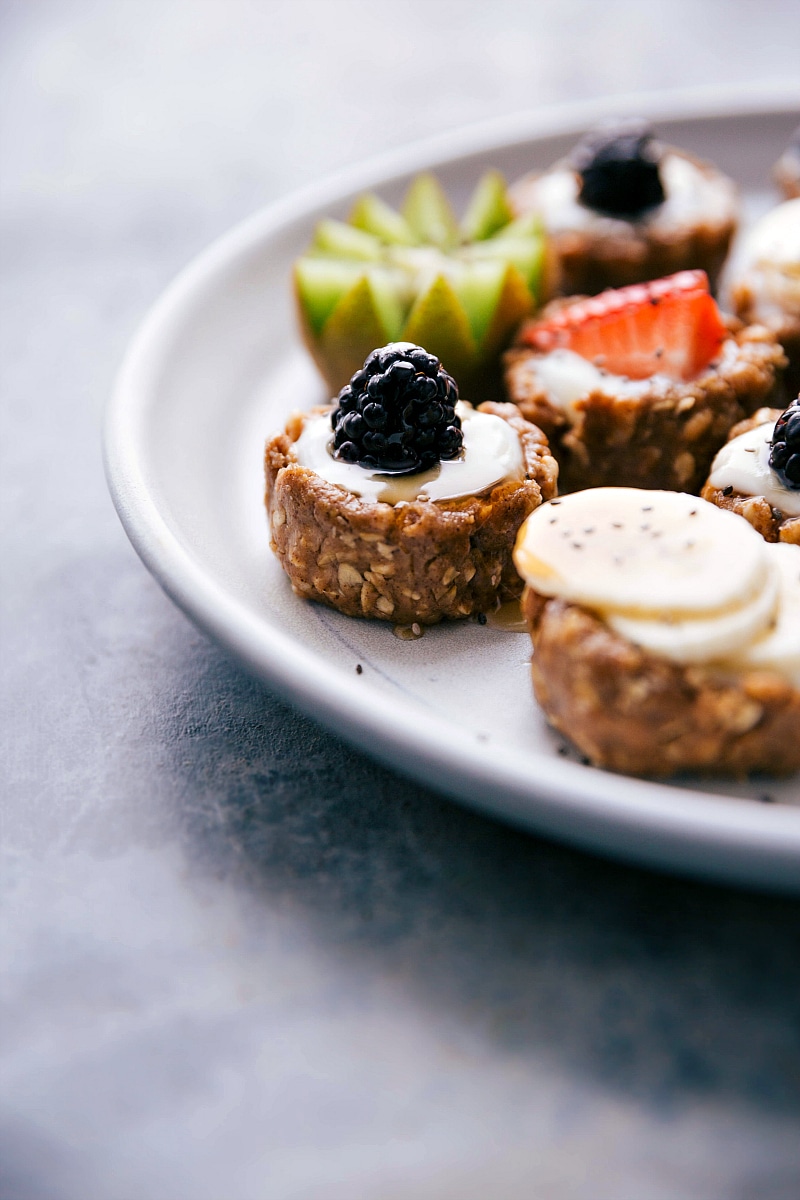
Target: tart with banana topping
(641,385)
(401,502)
(623,208)
(666,633)
(757,473)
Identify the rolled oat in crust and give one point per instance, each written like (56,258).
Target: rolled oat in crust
(663,434)
(631,711)
(423,561)
(768,521)
(784,327)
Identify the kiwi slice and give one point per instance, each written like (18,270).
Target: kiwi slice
(418,275)
(427,210)
(373,215)
(488,210)
(344,241)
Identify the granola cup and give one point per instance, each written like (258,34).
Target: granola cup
(659,433)
(422,561)
(631,711)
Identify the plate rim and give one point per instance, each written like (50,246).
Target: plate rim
(683,831)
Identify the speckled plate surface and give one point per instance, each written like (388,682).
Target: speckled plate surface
(218,365)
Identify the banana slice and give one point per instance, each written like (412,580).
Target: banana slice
(713,637)
(778,649)
(641,553)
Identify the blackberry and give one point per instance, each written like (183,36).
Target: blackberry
(397,414)
(618,168)
(784,456)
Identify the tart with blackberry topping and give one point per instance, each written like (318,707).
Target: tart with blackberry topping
(763,283)
(623,208)
(640,386)
(757,473)
(400,502)
(666,633)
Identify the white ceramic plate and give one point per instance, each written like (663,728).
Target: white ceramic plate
(216,368)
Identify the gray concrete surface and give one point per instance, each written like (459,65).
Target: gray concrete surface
(239,960)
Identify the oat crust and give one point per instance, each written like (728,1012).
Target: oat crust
(633,712)
(423,561)
(785,328)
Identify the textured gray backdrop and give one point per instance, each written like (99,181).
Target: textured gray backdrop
(240,961)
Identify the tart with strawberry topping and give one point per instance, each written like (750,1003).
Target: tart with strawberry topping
(624,208)
(400,502)
(640,386)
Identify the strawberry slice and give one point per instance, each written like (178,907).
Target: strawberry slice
(669,326)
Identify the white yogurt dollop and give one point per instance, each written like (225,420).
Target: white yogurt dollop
(491,454)
(743,464)
(568,378)
(775,239)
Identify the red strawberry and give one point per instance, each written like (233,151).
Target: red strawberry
(671,326)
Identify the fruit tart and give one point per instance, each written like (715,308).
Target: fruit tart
(787,168)
(458,287)
(757,473)
(764,281)
(641,385)
(400,502)
(666,633)
(623,208)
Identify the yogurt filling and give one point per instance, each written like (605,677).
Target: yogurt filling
(693,194)
(673,574)
(568,378)
(491,454)
(743,464)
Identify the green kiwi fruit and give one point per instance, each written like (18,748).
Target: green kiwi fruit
(459,289)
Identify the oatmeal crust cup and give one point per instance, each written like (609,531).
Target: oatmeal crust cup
(662,431)
(623,209)
(631,711)
(420,561)
(665,633)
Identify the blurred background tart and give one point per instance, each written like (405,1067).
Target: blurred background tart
(623,208)
(787,169)
(763,283)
